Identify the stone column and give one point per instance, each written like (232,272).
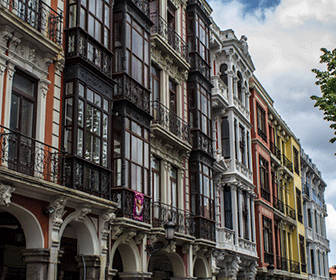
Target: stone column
(235,86)
(3,67)
(41,108)
(234,211)
(8,98)
(37,261)
(165,168)
(180,193)
(89,266)
(230,87)
(236,128)
(253,220)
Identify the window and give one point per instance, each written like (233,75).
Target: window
(296,161)
(302,251)
(242,144)
(316,223)
(235,139)
(92,122)
(312,261)
(239,86)
(136,156)
(225,138)
(172,96)
(94,18)
(248,150)
(309,218)
(264,178)
(223,74)
(137,50)
(155,86)
(299,205)
(204,105)
(245,216)
(206,191)
(261,122)
(267,232)
(202,39)
(23,105)
(156,178)
(174,187)
(228,207)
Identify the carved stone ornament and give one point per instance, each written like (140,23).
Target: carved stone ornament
(5,194)
(138,238)
(82,213)
(116,232)
(58,206)
(171,247)
(128,236)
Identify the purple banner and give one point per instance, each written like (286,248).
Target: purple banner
(138,206)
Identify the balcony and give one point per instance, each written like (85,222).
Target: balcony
(265,194)
(276,151)
(287,163)
(169,121)
(284,264)
(80,45)
(169,36)
(181,218)
(87,177)
(290,212)
(37,15)
(268,258)
(198,64)
(262,134)
(278,204)
(226,237)
(129,89)
(204,229)
(202,142)
(219,93)
(30,157)
(126,200)
(294,267)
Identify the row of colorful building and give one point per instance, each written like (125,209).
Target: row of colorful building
(136,143)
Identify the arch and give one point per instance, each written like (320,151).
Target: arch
(239,85)
(224,77)
(29,223)
(129,253)
(201,269)
(88,242)
(173,261)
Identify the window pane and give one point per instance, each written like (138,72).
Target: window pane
(92,6)
(127,145)
(81,90)
(80,113)
(27,111)
(107,15)
(24,85)
(91,25)
(68,111)
(96,122)
(137,44)
(96,150)
(80,142)
(104,152)
(100,9)
(88,146)
(14,115)
(72,16)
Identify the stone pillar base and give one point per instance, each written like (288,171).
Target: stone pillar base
(90,265)
(37,262)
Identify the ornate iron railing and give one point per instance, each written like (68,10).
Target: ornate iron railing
(87,177)
(276,151)
(125,199)
(303,267)
(143,5)
(162,28)
(161,213)
(284,264)
(265,194)
(278,204)
(287,163)
(262,134)
(290,212)
(38,15)
(202,142)
(205,229)
(30,157)
(80,44)
(170,121)
(294,266)
(129,89)
(268,258)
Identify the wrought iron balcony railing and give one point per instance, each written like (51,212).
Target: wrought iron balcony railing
(198,64)
(162,28)
(170,121)
(88,177)
(278,204)
(38,15)
(129,89)
(276,151)
(126,205)
(303,267)
(268,258)
(202,142)
(80,44)
(290,212)
(181,218)
(284,263)
(287,163)
(262,134)
(205,229)
(30,157)
(294,267)
(265,194)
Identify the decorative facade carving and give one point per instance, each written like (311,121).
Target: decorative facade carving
(5,194)
(58,206)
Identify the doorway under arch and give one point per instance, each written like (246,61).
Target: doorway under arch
(166,266)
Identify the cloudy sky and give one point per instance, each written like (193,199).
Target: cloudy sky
(285,37)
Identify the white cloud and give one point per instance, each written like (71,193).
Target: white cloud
(285,46)
(331,233)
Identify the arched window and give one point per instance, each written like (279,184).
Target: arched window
(239,84)
(223,68)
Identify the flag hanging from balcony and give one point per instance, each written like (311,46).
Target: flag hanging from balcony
(138,206)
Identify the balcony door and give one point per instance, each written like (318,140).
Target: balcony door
(22,124)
